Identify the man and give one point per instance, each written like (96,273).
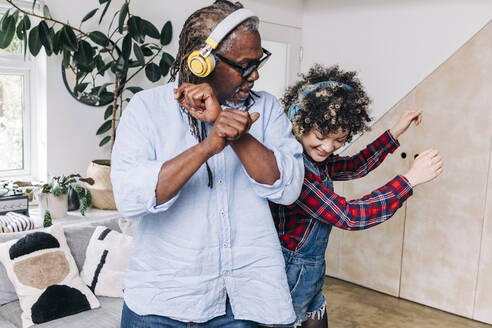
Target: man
(194,165)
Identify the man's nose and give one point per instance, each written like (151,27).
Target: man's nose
(253,76)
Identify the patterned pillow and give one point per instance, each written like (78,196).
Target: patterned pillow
(15,222)
(105,262)
(45,276)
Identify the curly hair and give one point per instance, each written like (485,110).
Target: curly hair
(331,107)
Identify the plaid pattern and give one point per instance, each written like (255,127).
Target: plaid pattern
(317,202)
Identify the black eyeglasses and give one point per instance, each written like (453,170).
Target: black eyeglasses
(248,69)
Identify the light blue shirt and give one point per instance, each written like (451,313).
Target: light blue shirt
(204,243)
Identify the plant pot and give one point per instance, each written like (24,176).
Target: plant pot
(57,206)
(73,200)
(102,189)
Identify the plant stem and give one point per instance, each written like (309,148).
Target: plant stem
(141,68)
(113,115)
(57,22)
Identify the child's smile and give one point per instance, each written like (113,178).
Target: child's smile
(319,147)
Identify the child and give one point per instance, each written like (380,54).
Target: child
(327,108)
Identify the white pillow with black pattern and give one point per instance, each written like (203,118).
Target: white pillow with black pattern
(105,262)
(45,276)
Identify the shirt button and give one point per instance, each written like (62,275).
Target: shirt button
(222,212)
(220,181)
(225,273)
(226,245)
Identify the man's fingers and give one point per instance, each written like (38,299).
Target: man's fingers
(254,117)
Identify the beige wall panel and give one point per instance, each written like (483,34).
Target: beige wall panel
(444,218)
(483,297)
(372,258)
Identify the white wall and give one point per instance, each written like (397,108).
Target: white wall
(393,44)
(71,139)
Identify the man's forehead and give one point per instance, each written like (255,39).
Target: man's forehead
(245,45)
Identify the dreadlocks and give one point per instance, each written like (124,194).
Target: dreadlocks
(195,31)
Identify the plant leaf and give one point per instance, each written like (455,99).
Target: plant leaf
(46,12)
(104,127)
(153,72)
(139,54)
(121,68)
(45,37)
(167,58)
(108,112)
(99,38)
(79,88)
(66,58)
(164,66)
(123,14)
(69,39)
(105,140)
(8,32)
(105,98)
(134,90)
(89,15)
(83,55)
(126,48)
(57,42)
(20,31)
(166,33)
(34,4)
(34,41)
(150,30)
(27,22)
(108,2)
(135,27)
(146,51)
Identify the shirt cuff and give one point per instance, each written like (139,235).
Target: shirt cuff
(151,204)
(389,141)
(401,187)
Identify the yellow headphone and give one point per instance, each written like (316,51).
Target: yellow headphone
(202,62)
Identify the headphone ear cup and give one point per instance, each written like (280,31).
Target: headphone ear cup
(199,65)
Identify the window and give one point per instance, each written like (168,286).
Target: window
(16,116)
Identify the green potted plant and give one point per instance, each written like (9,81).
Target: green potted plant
(53,195)
(102,63)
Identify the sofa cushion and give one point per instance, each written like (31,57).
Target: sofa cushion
(107,316)
(6,324)
(107,255)
(77,237)
(41,267)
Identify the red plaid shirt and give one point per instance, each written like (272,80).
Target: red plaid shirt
(316,202)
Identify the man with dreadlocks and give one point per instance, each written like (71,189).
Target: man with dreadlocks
(327,108)
(194,165)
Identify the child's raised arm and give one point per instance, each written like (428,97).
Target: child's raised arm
(323,204)
(354,167)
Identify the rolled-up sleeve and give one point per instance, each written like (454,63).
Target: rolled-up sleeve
(288,154)
(134,168)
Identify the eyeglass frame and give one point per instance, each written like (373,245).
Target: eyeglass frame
(244,69)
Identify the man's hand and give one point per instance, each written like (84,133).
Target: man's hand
(199,100)
(405,120)
(426,167)
(229,126)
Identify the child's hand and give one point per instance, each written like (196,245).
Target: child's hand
(426,167)
(405,120)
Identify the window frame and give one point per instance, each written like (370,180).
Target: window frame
(34,126)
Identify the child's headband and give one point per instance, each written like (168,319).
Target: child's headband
(294,108)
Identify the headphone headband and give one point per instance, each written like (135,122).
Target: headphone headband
(227,25)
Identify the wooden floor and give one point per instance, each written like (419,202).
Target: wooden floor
(350,306)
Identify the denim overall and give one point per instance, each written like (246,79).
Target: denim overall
(306,267)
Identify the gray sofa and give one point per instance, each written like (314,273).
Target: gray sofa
(78,236)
